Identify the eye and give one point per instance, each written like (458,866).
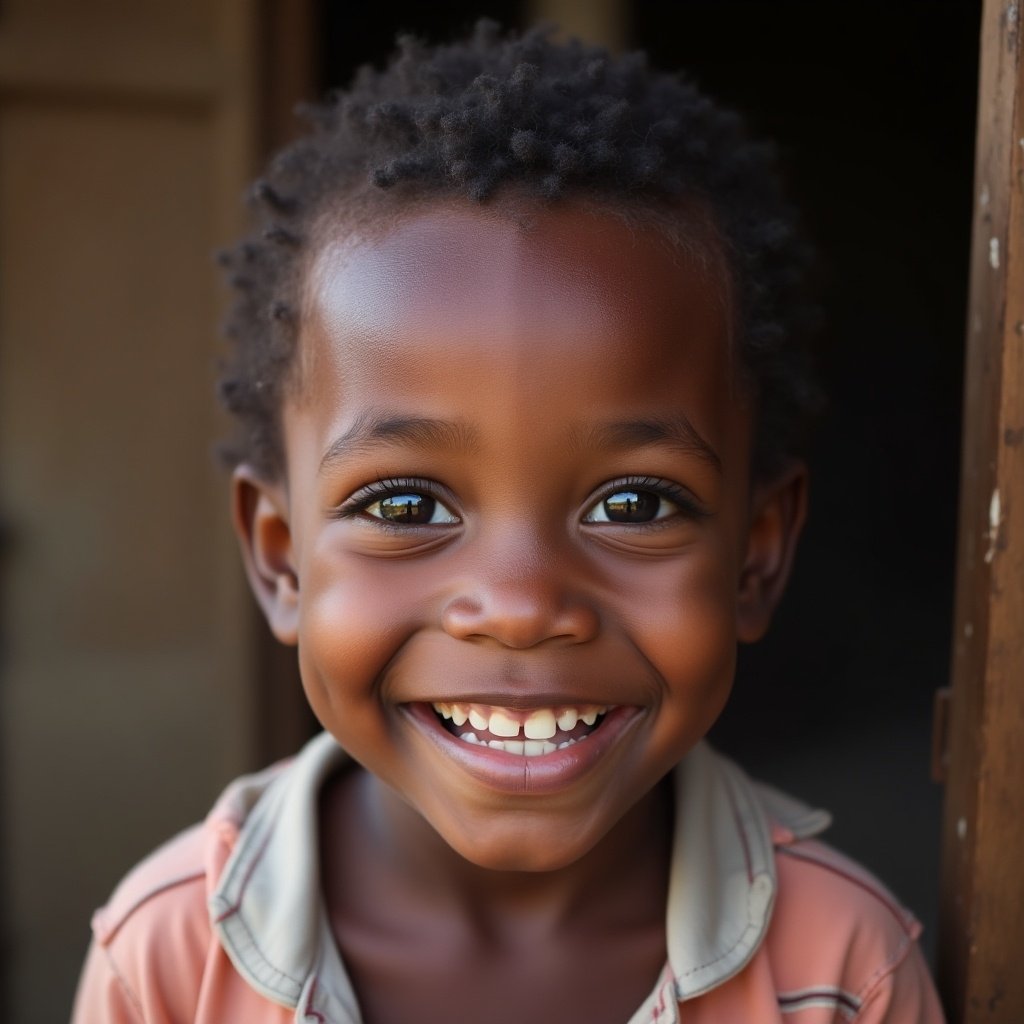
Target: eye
(399,502)
(630,505)
(637,501)
(409,508)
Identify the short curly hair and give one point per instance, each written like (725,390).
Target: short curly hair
(552,121)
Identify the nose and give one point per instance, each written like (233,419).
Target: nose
(521,603)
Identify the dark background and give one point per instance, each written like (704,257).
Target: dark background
(873,107)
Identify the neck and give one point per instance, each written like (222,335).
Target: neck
(371,834)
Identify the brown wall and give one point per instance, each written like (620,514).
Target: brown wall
(125,139)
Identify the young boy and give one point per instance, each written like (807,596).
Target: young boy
(520,376)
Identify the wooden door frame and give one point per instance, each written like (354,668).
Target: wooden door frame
(982,893)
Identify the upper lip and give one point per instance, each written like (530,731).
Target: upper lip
(521,700)
(427,669)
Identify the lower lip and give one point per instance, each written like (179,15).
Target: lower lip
(516,773)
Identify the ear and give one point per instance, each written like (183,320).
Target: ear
(778,511)
(259,511)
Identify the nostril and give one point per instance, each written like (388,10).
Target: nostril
(462,618)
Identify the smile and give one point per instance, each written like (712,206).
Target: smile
(528,734)
(534,751)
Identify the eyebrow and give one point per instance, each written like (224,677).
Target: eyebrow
(675,433)
(372,430)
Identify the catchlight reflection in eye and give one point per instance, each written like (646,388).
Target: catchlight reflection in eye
(631,506)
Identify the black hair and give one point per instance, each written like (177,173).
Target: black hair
(551,121)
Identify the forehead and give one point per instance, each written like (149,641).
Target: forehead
(549,270)
(515,238)
(458,304)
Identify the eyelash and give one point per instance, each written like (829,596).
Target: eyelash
(384,488)
(376,491)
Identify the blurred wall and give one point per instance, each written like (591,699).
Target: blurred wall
(125,140)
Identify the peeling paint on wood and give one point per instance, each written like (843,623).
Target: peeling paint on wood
(981,927)
(993,526)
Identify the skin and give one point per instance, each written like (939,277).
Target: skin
(546,345)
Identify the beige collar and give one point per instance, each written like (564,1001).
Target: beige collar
(267,911)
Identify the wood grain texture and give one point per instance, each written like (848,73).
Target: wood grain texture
(982,914)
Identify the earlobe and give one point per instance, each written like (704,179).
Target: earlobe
(779,508)
(259,511)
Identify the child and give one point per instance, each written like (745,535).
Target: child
(520,375)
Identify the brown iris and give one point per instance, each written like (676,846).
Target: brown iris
(410,509)
(631,506)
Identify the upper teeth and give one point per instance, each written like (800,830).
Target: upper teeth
(541,724)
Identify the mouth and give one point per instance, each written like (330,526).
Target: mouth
(535,751)
(532,733)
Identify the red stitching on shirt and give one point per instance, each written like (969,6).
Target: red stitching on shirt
(888,968)
(660,1008)
(123,982)
(825,865)
(110,928)
(308,1011)
(233,909)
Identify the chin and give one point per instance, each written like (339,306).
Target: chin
(521,861)
(519,851)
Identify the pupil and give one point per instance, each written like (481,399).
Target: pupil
(631,506)
(407,508)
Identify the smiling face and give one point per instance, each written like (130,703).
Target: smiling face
(516,542)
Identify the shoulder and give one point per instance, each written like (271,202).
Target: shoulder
(817,884)
(153,937)
(830,911)
(150,939)
(172,883)
(839,939)
(766,920)
(171,880)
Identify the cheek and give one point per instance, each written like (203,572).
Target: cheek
(355,615)
(684,621)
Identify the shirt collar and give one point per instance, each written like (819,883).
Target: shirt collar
(722,877)
(268,914)
(266,907)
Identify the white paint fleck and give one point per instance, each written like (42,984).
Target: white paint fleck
(961,829)
(984,197)
(1011,14)
(993,253)
(969,630)
(994,519)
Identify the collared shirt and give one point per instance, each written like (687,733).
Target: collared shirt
(764,924)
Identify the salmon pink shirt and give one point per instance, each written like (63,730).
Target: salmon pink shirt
(764,924)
